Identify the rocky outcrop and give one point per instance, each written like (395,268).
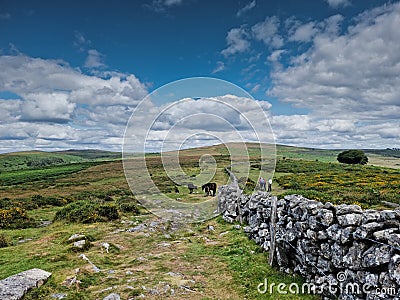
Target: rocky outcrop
(330,246)
(15,287)
(79,242)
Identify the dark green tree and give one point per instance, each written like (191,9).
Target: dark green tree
(353,157)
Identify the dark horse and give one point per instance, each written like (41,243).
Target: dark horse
(209,188)
(191,187)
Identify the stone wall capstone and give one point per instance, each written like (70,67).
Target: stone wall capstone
(333,247)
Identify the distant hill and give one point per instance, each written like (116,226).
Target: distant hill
(92,154)
(34,160)
(324,155)
(384,152)
(40,159)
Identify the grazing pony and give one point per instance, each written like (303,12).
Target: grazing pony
(209,188)
(191,187)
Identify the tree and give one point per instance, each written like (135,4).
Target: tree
(353,157)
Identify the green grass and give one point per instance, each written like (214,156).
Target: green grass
(228,266)
(339,183)
(45,251)
(247,263)
(92,154)
(307,153)
(39,159)
(48,173)
(231,262)
(34,160)
(326,155)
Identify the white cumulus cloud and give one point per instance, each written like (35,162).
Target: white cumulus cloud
(204,121)
(237,42)
(348,81)
(338,3)
(267,31)
(53,107)
(304,32)
(60,107)
(94,59)
(219,67)
(246,8)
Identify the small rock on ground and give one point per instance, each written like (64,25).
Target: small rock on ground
(58,296)
(16,286)
(112,296)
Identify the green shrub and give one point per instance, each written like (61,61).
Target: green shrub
(109,211)
(44,162)
(4,241)
(372,197)
(15,217)
(129,208)
(5,203)
(33,202)
(128,205)
(55,201)
(353,157)
(40,201)
(247,184)
(87,212)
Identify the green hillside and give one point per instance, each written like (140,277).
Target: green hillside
(40,159)
(35,160)
(377,157)
(306,153)
(92,154)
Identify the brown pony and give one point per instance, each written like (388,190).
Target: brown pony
(209,188)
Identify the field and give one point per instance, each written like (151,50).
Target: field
(38,159)
(338,183)
(211,260)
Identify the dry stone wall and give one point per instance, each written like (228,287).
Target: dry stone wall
(344,251)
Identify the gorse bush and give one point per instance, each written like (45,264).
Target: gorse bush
(33,202)
(40,201)
(247,185)
(44,162)
(128,205)
(129,208)
(305,166)
(338,183)
(372,196)
(6,203)
(87,212)
(4,241)
(14,218)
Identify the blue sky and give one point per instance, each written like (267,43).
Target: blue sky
(328,69)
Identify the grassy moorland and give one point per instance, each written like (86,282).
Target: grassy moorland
(34,160)
(40,159)
(339,183)
(157,258)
